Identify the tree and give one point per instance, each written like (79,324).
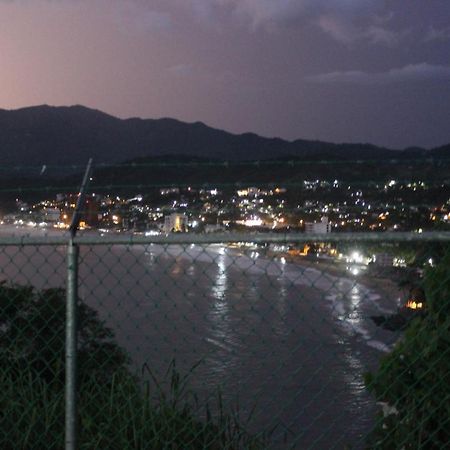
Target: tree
(413,382)
(32,334)
(116,409)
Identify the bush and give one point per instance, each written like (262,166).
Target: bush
(116,410)
(413,382)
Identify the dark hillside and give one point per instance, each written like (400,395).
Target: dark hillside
(68,136)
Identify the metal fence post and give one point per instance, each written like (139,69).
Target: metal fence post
(71,430)
(71,347)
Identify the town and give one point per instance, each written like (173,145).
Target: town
(316,206)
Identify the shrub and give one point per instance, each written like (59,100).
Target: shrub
(116,410)
(413,382)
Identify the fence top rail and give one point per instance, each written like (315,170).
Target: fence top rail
(216,238)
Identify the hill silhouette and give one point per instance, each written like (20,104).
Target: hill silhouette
(64,136)
(44,150)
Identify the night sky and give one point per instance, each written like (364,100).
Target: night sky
(336,70)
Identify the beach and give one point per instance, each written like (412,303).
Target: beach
(288,340)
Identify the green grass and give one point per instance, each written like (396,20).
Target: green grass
(116,410)
(121,415)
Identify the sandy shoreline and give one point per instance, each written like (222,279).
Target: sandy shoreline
(387,287)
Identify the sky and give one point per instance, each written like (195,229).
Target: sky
(373,71)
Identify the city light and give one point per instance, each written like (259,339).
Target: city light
(412,304)
(356,257)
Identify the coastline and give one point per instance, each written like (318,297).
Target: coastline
(303,337)
(385,286)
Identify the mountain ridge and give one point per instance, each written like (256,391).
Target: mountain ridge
(69,135)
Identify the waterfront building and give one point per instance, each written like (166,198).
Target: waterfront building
(321,227)
(175,223)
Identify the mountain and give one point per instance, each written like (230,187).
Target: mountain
(70,135)
(135,153)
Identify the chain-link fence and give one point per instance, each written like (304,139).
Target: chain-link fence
(229,341)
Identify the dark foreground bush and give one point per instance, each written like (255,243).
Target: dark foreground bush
(413,382)
(116,410)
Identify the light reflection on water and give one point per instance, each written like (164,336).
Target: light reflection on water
(219,287)
(354,313)
(259,327)
(220,308)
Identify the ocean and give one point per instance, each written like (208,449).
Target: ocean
(287,346)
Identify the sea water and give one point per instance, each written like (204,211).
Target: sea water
(285,345)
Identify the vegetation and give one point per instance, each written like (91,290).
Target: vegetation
(116,410)
(413,382)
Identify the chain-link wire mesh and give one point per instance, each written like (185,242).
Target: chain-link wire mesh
(190,343)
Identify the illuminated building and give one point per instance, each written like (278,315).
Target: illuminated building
(89,214)
(175,223)
(321,227)
(384,259)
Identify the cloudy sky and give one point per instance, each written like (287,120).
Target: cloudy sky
(338,70)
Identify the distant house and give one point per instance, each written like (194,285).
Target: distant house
(321,227)
(51,215)
(213,228)
(384,260)
(175,223)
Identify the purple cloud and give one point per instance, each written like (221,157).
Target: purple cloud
(437,34)
(181,70)
(409,73)
(345,21)
(259,12)
(133,17)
